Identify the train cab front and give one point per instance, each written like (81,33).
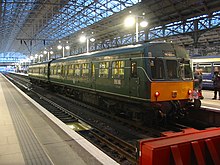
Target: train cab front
(171,86)
(172,98)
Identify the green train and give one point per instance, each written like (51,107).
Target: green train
(137,81)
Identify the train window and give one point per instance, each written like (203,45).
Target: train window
(172,69)
(206,67)
(66,70)
(157,68)
(63,70)
(41,71)
(70,70)
(118,69)
(58,69)
(53,70)
(93,70)
(85,70)
(133,69)
(185,70)
(46,70)
(216,64)
(103,69)
(169,54)
(77,70)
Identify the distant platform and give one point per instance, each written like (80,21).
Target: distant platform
(207,102)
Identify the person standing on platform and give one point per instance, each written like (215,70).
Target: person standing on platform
(216,83)
(198,82)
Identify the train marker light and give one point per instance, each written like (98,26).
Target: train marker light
(157,94)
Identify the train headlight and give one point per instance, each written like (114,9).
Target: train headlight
(190,91)
(157,94)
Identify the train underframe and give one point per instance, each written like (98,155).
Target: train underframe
(135,110)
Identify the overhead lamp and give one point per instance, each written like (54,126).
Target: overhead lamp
(82,39)
(59,47)
(129,21)
(144,24)
(67,47)
(92,39)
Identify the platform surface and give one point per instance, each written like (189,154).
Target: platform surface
(31,135)
(208,102)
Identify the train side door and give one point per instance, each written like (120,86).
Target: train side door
(62,72)
(134,80)
(93,78)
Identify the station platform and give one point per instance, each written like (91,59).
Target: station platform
(207,102)
(31,135)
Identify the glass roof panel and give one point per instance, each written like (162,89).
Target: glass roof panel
(77,15)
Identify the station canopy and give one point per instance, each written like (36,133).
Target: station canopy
(30,26)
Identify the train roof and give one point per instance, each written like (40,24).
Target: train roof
(116,51)
(41,63)
(206,58)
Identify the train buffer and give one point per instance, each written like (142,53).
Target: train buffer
(189,147)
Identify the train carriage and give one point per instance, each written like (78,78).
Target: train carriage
(39,72)
(208,65)
(132,79)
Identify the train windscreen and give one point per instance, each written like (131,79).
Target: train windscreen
(169,69)
(172,66)
(157,68)
(185,70)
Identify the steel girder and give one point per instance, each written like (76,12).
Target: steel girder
(33,24)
